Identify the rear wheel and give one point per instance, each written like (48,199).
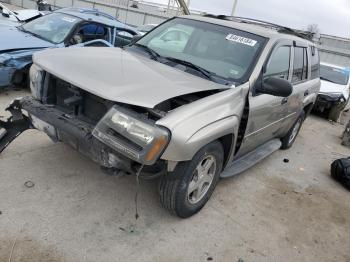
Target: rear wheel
(292,134)
(187,189)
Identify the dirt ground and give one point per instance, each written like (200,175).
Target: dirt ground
(275,211)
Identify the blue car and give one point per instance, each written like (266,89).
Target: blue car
(68,27)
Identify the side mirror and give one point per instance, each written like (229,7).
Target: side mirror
(5,13)
(275,86)
(135,39)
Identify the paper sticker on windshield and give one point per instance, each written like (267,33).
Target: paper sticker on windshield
(241,40)
(68,19)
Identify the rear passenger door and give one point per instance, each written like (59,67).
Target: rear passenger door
(300,82)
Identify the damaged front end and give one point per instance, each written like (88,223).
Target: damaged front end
(326,101)
(121,140)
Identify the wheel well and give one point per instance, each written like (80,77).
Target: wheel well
(20,76)
(226,142)
(307,109)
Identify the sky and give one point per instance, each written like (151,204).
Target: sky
(331,16)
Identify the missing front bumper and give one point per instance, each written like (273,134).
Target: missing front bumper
(59,127)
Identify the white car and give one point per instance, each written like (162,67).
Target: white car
(334,93)
(17,17)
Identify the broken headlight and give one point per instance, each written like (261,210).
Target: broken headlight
(36,81)
(138,139)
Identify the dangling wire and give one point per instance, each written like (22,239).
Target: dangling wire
(137,191)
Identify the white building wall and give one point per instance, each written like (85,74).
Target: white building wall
(334,50)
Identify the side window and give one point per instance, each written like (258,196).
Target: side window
(300,67)
(89,32)
(278,65)
(315,64)
(122,38)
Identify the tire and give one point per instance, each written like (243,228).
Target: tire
(288,140)
(175,188)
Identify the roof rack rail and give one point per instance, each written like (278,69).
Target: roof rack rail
(278,28)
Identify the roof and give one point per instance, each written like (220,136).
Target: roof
(265,29)
(94,15)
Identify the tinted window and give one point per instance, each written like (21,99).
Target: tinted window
(300,66)
(315,64)
(278,65)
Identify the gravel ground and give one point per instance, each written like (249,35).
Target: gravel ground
(275,211)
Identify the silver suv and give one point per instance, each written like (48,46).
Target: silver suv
(194,100)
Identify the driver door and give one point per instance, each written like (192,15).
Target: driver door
(266,112)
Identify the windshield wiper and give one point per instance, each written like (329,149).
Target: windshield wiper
(203,71)
(150,51)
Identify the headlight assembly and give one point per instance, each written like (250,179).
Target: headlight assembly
(36,81)
(138,139)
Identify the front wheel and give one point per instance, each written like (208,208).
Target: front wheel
(292,134)
(188,188)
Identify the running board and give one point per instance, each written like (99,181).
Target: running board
(247,161)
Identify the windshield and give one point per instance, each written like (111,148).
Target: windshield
(53,27)
(222,51)
(334,75)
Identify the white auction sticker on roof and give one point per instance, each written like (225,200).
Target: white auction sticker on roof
(241,40)
(69,19)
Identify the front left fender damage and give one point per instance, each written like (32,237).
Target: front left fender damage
(13,62)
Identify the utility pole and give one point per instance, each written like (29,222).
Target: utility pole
(184,7)
(234,7)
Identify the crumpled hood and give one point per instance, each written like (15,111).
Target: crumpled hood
(120,76)
(14,39)
(26,14)
(329,87)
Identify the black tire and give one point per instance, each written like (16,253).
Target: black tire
(174,186)
(289,139)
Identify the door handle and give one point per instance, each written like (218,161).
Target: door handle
(306,93)
(284,101)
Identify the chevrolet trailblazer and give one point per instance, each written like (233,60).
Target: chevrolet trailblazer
(195,100)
